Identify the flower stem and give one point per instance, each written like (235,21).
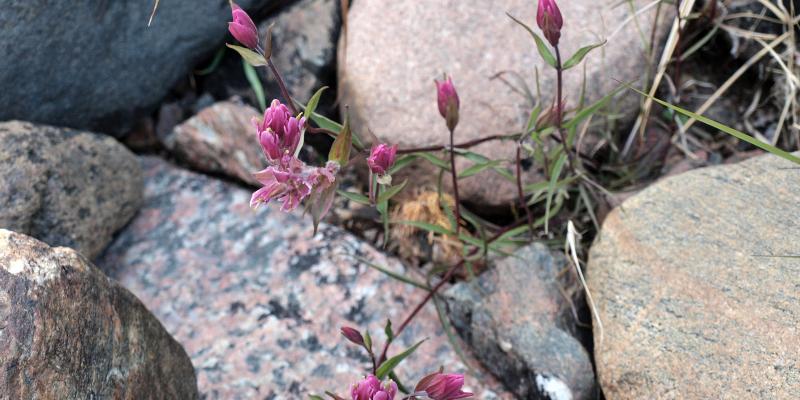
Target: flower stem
(432,292)
(519,187)
(560,111)
(464,145)
(455,181)
(281,85)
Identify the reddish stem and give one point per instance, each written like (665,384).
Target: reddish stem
(559,111)
(519,188)
(455,182)
(464,145)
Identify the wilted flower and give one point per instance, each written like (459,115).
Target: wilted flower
(448,102)
(549,19)
(279,132)
(242,28)
(370,388)
(381,158)
(439,386)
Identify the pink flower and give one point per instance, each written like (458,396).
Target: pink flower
(353,335)
(448,102)
(290,181)
(242,28)
(549,19)
(279,132)
(439,386)
(381,158)
(283,182)
(370,388)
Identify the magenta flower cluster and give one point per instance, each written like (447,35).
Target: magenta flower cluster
(287,179)
(243,28)
(370,388)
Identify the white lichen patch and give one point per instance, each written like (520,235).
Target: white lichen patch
(553,387)
(16,258)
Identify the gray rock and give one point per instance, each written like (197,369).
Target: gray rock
(97,65)
(257,299)
(395,49)
(304,47)
(697,289)
(520,326)
(70,332)
(64,187)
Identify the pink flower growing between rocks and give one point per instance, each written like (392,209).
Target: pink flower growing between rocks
(381,158)
(370,388)
(447,100)
(279,132)
(549,19)
(439,386)
(290,181)
(243,29)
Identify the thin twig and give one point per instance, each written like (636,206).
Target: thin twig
(464,145)
(455,181)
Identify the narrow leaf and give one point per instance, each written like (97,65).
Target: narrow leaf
(579,55)
(434,160)
(400,385)
(427,226)
(733,132)
(311,106)
(390,364)
(357,197)
(255,83)
(388,330)
(394,275)
(392,191)
(552,186)
(250,56)
(544,51)
(478,168)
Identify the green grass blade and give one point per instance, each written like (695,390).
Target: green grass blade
(255,83)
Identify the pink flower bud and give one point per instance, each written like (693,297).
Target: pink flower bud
(439,386)
(381,158)
(242,28)
(548,17)
(353,335)
(370,388)
(448,102)
(279,132)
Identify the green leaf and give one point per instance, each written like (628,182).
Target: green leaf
(733,132)
(311,106)
(390,364)
(579,55)
(391,192)
(544,51)
(395,275)
(387,329)
(551,187)
(315,397)
(591,109)
(334,396)
(356,197)
(368,341)
(478,168)
(340,150)
(255,83)
(427,226)
(435,160)
(214,63)
(401,163)
(250,56)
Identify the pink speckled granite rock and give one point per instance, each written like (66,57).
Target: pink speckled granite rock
(219,139)
(256,300)
(395,49)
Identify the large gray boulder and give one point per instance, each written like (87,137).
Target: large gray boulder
(96,64)
(66,187)
(697,283)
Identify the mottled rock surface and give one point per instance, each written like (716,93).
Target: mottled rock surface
(256,299)
(220,139)
(695,293)
(70,332)
(65,187)
(99,61)
(304,47)
(395,49)
(520,326)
